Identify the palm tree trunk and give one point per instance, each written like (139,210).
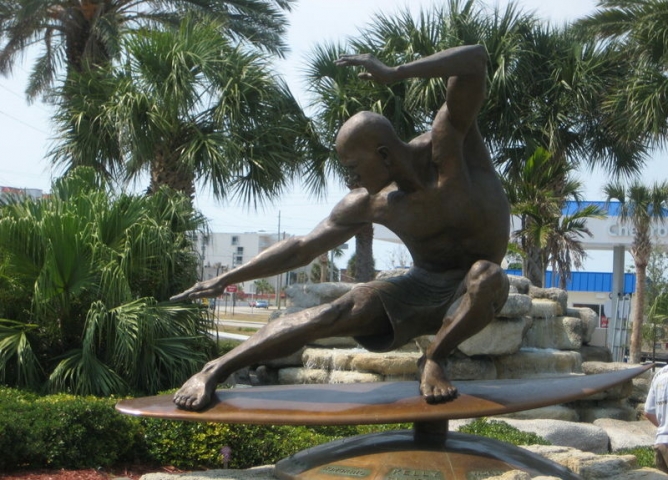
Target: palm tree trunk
(166,171)
(364,267)
(324,262)
(533,268)
(638,313)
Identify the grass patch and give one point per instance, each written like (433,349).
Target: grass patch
(644,455)
(499,430)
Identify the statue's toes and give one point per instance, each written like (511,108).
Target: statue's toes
(439,393)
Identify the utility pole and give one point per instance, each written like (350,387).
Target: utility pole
(278,277)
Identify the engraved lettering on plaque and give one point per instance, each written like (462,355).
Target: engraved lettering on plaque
(412,474)
(344,471)
(482,474)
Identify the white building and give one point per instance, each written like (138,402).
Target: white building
(223,251)
(9,192)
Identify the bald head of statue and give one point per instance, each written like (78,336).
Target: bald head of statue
(370,149)
(366,129)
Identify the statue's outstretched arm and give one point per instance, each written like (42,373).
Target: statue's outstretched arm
(283,256)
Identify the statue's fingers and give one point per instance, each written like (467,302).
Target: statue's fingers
(186,294)
(365,76)
(348,60)
(205,293)
(180,297)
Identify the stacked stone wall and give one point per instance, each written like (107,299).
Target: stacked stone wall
(535,335)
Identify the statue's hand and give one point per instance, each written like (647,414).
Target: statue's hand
(208,289)
(375,69)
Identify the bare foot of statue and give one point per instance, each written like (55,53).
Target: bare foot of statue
(196,393)
(434,386)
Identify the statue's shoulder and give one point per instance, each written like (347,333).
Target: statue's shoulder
(354,206)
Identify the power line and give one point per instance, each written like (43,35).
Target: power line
(22,122)
(21,97)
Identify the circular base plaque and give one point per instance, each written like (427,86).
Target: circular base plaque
(395,455)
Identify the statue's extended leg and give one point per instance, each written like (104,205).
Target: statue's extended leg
(356,313)
(486,290)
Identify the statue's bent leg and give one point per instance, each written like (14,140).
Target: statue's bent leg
(486,290)
(356,313)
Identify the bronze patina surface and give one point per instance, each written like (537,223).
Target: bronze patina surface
(439,193)
(373,403)
(394,456)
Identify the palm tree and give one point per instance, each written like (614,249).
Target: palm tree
(85,280)
(641,206)
(551,91)
(82,34)
(263,287)
(637,30)
(187,107)
(546,85)
(546,234)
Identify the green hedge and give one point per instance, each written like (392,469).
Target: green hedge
(65,431)
(61,431)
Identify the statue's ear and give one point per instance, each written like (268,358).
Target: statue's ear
(384,153)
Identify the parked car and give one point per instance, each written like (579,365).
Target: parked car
(261,304)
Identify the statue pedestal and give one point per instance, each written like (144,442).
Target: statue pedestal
(396,455)
(428,451)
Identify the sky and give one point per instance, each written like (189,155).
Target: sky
(26,133)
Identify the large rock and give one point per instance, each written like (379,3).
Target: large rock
(561,333)
(298,376)
(334,342)
(557,295)
(591,410)
(500,337)
(586,464)
(625,435)
(520,284)
(392,363)
(592,353)
(589,321)
(641,474)
(640,389)
(553,412)
(537,363)
(294,360)
(470,368)
(585,437)
(320,358)
(338,376)
(519,475)
(544,308)
(618,392)
(307,295)
(517,305)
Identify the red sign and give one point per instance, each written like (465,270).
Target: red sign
(231,289)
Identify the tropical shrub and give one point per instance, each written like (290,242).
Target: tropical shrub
(55,431)
(85,278)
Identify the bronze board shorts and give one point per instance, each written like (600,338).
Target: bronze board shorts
(415,303)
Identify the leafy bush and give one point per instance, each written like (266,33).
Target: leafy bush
(499,430)
(62,431)
(193,445)
(84,279)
